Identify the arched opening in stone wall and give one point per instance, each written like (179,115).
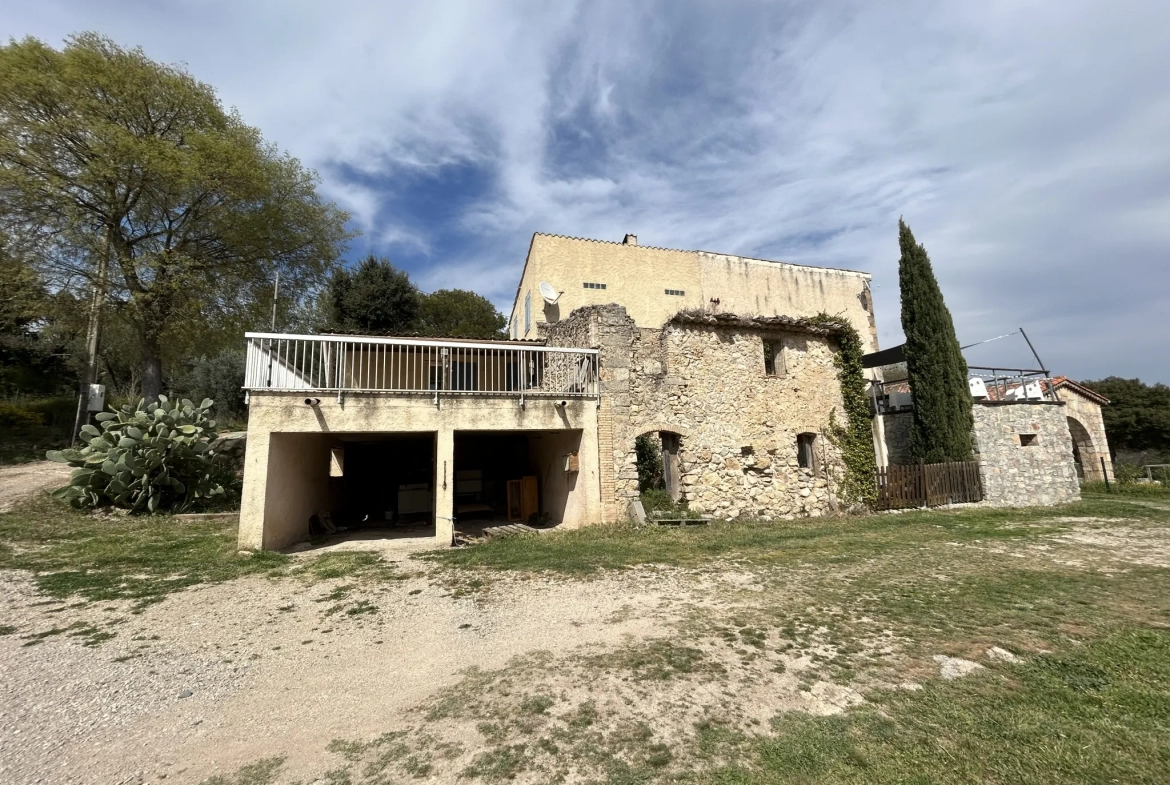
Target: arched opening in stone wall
(659,472)
(1084,453)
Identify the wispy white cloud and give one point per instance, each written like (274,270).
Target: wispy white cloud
(1025,142)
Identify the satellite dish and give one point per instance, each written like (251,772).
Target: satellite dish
(549,293)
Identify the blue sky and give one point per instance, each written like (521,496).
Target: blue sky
(1026,143)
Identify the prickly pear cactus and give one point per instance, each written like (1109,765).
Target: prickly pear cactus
(156,457)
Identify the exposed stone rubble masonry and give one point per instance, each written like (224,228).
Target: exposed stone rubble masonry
(1037,473)
(707,383)
(1015,474)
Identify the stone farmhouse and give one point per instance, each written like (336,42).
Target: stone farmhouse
(716,355)
(608,341)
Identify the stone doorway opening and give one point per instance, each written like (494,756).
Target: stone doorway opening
(659,468)
(1085,455)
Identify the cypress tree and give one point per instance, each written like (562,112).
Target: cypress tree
(937,372)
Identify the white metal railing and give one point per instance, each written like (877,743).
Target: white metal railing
(343,363)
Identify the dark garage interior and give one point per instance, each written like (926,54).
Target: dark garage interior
(387,480)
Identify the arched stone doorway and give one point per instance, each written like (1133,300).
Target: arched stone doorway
(658,449)
(1085,453)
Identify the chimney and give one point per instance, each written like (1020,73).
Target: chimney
(630,239)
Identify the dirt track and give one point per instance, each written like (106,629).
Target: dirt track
(24,480)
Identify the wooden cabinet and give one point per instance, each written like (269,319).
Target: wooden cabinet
(523,499)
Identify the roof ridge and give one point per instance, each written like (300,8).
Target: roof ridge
(1064,381)
(612,242)
(701,251)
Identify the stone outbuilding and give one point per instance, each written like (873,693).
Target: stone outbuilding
(1087,428)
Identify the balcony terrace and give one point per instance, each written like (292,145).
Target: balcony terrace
(343,364)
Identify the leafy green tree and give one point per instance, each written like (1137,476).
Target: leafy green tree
(218,377)
(458,313)
(942,424)
(128,176)
(375,299)
(1138,414)
(30,361)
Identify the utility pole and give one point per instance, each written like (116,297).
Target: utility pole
(92,338)
(275,295)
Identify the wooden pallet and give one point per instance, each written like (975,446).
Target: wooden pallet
(679,521)
(507,530)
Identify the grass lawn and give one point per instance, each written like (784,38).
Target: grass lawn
(808,541)
(1097,713)
(1088,702)
(145,557)
(1080,594)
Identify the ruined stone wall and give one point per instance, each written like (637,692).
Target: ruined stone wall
(738,426)
(639,277)
(1016,474)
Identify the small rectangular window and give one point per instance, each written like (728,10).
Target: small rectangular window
(676,292)
(806,456)
(527,313)
(774,362)
(1027,439)
(589,285)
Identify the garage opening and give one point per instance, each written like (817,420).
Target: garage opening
(514,477)
(384,482)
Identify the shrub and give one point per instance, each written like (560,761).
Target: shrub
(18,418)
(221,378)
(651,471)
(658,504)
(152,458)
(1127,472)
(56,413)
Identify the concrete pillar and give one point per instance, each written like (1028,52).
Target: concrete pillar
(251,535)
(444,487)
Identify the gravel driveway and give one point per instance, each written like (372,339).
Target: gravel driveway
(218,677)
(24,480)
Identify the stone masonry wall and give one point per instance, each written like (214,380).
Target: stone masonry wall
(609,329)
(1092,444)
(1015,475)
(738,426)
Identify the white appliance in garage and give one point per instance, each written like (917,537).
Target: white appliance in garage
(414,498)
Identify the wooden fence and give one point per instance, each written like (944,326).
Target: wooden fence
(930,484)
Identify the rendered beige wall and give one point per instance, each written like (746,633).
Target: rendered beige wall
(281,484)
(558,487)
(293,474)
(636,277)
